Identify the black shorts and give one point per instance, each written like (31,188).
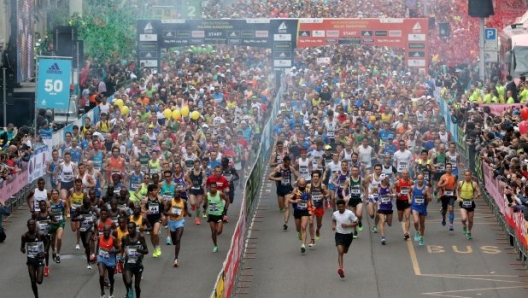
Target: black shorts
(284,190)
(153,220)
(215,218)
(402,204)
(437,176)
(197,192)
(386,212)
(447,201)
(35,262)
(343,239)
(353,202)
(297,214)
(134,268)
(468,209)
(66,185)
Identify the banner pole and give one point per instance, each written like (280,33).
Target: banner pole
(35,101)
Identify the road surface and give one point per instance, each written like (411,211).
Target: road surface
(195,277)
(448,265)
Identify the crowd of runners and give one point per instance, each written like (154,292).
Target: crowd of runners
(171,146)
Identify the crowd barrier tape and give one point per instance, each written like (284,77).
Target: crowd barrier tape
(227,280)
(513,222)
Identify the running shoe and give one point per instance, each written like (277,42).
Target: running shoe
(77,246)
(197,221)
(383,240)
(225,219)
(215,249)
(317,235)
(130,294)
(111,296)
(157,252)
(303,249)
(469,237)
(204,215)
(451,227)
(193,208)
(285,227)
(464,230)
(341,272)
(355,235)
(106,283)
(103,296)
(374,230)
(443,223)
(281,210)
(53,255)
(360,226)
(168,241)
(405,236)
(175,264)
(421,243)
(46,271)
(68,215)
(416,236)
(312,243)
(92,258)
(57,259)
(299,235)
(89,267)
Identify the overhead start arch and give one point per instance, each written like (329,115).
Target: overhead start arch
(284,35)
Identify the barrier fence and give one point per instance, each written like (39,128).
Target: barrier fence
(513,223)
(227,280)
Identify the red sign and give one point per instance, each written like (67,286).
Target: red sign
(408,34)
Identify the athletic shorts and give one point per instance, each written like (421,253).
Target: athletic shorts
(386,212)
(447,201)
(134,268)
(343,239)
(176,224)
(319,212)
(332,187)
(353,202)
(197,192)
(297,214)
(468,209)
(35,262)
(153,220)
(422,211)
(54,228)
(66,185)
(373,199)
(284,190)
(437,176)
(108,262)
(215,218)
(402,204)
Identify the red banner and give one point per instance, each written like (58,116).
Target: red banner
(10,188)
(408,34)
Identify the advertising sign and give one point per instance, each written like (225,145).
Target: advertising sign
(283,41)
(249,32)
(395,33)
(53,83)
(148,45)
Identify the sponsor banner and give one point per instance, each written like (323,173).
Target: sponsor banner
(12,187)
(53,83)
(395,33)
(37,163)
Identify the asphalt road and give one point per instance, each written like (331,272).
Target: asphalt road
(195,276)
(448,265)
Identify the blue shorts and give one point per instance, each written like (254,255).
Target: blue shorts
(109,262)
(422,211)
(176,224)
(332,187)
(373,199)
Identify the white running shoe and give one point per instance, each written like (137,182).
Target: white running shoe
(89,267)
(77,246)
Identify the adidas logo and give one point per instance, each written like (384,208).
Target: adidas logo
(417,27)
(54,69)
(283,26)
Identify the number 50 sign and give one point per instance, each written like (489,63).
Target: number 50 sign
(53,80)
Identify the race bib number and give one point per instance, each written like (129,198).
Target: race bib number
(285,181)
(132,254)
(122,207)
(385,199)
(419,200)
(467,203)
(303,170)
(34,248)
(167,197)
(87,224)
(104,254)
(355,191)
(43,227)
(404,191)
(176,211)
(402,166)
(441,167)
(59,217)
(153,208)
(75,206)
(302,206)
(449,193)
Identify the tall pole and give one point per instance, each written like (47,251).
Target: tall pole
(4,91)
(481,50)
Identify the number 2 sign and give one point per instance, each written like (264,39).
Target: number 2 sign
(53,75)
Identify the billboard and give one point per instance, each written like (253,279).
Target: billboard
(25,10)
(408,34)
(53,83)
